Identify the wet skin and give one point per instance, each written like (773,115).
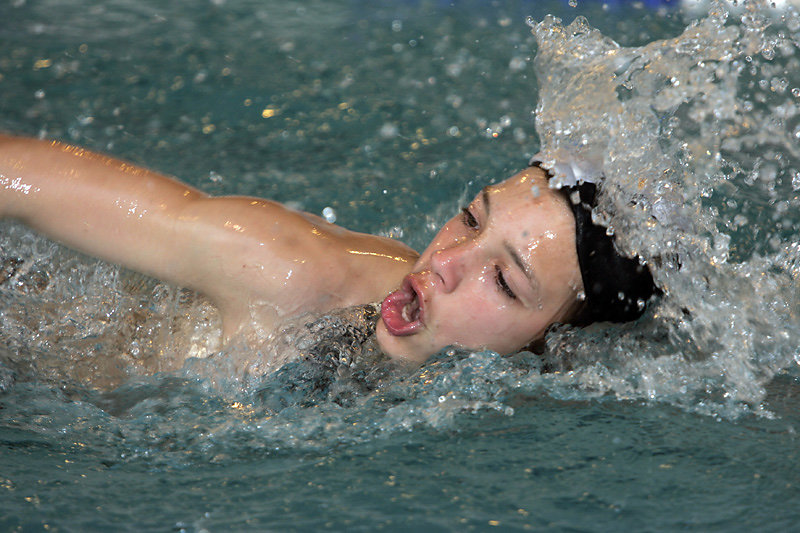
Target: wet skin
(258,261)
(494,277)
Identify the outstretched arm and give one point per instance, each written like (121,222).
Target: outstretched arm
(98,205)
(238,251)
(148,222)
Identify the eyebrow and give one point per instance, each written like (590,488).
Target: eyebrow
(485,198)
(521,264)
(510,249)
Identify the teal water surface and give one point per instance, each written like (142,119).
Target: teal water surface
(391,114)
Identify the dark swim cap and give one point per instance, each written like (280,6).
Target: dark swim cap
(616,287)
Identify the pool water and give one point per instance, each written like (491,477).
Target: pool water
(390,115)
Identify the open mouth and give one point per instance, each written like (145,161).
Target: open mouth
(402,311)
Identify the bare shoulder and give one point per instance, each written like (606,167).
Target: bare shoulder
(260,254)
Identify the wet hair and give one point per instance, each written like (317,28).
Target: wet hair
(616,287)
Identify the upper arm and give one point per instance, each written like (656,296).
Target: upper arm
(141,219)
(242,250)
(225,247)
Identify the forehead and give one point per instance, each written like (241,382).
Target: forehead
(526,201)
(537,223)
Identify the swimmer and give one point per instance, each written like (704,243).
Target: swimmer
(518,259)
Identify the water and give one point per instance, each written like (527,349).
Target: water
(388,116)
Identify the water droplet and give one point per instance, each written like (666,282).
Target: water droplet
(389,130)
(795,180)
(779,85)
(535,191)
(395,232)
(517,63)
(329,215)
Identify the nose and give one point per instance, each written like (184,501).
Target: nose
(453,263)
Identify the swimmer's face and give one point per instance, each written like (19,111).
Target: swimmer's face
(494,277)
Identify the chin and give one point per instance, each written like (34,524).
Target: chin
(404,349)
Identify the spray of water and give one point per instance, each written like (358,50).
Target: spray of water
(695,142)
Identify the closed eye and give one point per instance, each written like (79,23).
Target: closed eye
(502,284)
(469,219)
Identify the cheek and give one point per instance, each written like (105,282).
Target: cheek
(415,348)
(504,329)
(476,319)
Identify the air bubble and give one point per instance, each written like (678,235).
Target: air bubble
(581,296)
(329,215)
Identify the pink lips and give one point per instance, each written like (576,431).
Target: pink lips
(402,310)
